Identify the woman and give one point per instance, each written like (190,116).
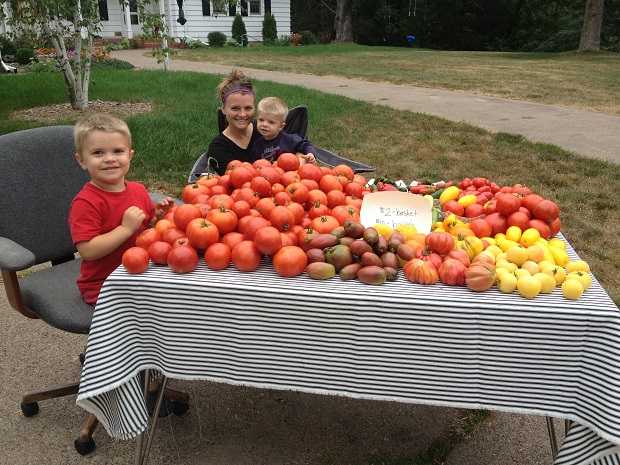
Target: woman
(237,94)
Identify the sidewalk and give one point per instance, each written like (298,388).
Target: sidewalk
(584,132)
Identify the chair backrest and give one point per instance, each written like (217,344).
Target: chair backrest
(296,121)
(40,178)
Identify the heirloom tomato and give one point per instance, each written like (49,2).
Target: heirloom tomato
(182,259)
(290,261)
(135,260)
(546,210)
(507,204)
(217,256)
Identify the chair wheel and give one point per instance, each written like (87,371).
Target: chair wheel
(30,409)
(179,408)
(84,448)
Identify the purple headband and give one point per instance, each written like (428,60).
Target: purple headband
(245,91)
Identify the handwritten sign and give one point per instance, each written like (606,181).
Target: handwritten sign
(395,208)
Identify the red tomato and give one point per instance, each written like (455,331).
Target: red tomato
(481,227)
(225,220)
(354,189)
(253,225)
(163,225)
(282,218)
(311,184)
(530,200)
(232,239)
(135,260)
(543,228)
(344,213)
(555,226)
(240,175)
(519,219)
(268,240)
(241,208)
(222,200)
(498,222)
(290,260)
(335,198)
(185,213)
(298,211)
(288,161)
(343,170)
(474,210)
(546,210)
(298,192)
(329,182)
(261,186)
(265,205)
(325,224)
(217,256)
(158,251)
(171,235)
(270,174)
(147,237)
(453,206)
(183,259)
(245,256)
(289,177)
(192,190)
(310,171)
(201,233)
(507,204)
(318,209)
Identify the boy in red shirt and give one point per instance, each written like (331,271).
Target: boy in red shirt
(109,212)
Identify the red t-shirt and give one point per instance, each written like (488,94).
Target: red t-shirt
(94,212)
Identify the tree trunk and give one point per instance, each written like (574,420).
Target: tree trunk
(592,23)
(343,22)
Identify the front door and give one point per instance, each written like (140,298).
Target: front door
(134,18)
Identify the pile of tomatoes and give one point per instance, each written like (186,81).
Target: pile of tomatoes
(251,211)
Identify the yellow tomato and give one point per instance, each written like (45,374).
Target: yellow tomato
(490,240)
(516,254)
(449,193)
(408,230)
(557,242)
(529,237)
(528,286)
(506,264)
(495,250)
(501,256)
(530,266)
(430,199)
(547,283)
(507,282)
(572,289)
(467,200)
(506,244)
(535,253)
(513,233)
(557,272)
(520,272)
(384,229)
(499,237)
(544,264)
(488,253)
(577,265)
(584,278)
(501,271)
(560,257)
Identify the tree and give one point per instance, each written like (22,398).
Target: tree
(343,22)
(592,25)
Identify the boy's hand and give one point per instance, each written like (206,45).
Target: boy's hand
(133,218)
(308,158)
(162,207)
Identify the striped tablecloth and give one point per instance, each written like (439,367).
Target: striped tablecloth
(436,345)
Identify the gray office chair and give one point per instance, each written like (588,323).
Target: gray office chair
(40,179)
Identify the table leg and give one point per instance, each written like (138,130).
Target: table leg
(137,456)
(552,437)
(160,398)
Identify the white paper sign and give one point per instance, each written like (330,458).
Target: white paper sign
(395,208)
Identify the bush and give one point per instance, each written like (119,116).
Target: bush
(216,39)
(270,29)
(43,67)
(239,33)
(283,40)
(194,44)
(24,56)
(308,38)
(232,43)
(7,46)
(325,37)
(111,64)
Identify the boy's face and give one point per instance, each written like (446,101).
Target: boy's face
(269,125)
(106,156)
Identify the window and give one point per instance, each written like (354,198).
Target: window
(220,10)
(103,10)
(206,8)
(255,7)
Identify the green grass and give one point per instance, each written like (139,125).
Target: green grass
(399,144)
(588,81)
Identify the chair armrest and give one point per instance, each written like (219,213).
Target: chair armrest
(14,257)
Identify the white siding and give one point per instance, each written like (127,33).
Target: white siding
(199,26)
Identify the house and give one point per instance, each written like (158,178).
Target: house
(200,18)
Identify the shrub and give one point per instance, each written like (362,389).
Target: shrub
(308,38)
(232,43)
(283,40)
(270,29)
(43,67)
(325,37)
(194,44)
(7,46)
(239,33)
(216,39)
(24,55)
(111,64)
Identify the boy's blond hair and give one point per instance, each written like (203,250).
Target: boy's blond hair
(98,122)
(273,106)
